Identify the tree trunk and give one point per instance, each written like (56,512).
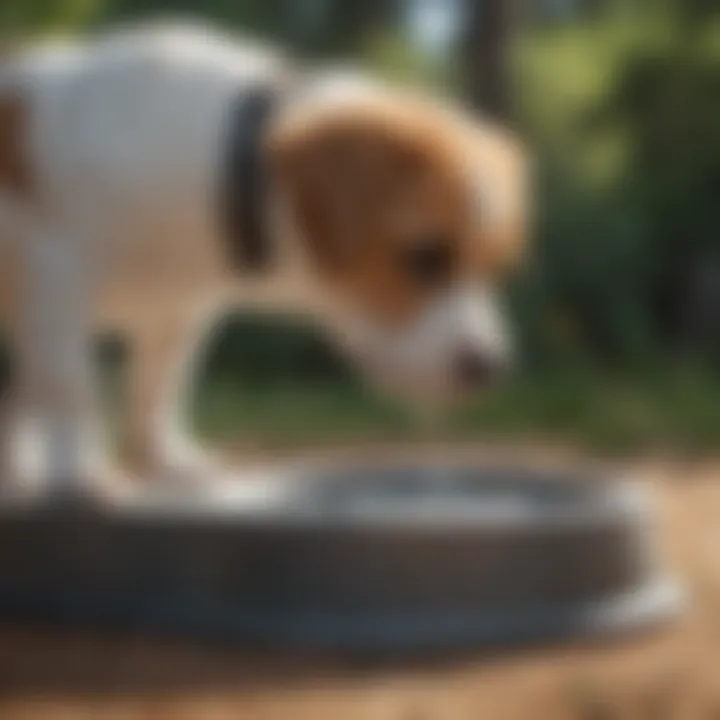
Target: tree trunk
(490,25)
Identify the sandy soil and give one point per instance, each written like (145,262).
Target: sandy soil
(671,672)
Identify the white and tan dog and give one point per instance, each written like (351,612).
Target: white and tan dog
(152,177)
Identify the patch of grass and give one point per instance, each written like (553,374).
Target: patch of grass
(654,410)
(297,414)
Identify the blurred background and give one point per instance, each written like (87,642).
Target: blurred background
(617,308)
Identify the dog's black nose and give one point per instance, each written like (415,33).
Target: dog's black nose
(473,367)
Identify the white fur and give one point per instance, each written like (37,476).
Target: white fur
(419,357)
(126,140)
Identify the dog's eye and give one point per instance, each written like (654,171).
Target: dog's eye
(428,261)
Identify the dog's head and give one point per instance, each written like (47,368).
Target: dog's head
(410,214)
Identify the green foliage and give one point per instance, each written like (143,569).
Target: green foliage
(274,351)
(669,99)
(662,409)
(263,18)
(624,117)
(583,295)
(320,27)
(31,17)
(393,56)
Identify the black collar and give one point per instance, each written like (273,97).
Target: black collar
(244,185)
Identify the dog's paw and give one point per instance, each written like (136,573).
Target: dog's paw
(29,475)
(84,492)
(190,465)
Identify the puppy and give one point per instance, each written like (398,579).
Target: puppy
(154,177)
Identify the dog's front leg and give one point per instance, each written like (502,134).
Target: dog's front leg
(165,359)
(54,440)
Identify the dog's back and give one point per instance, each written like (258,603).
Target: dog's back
(124,135)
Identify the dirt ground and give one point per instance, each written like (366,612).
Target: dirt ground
(671,672)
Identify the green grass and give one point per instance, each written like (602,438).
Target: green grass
(660,410)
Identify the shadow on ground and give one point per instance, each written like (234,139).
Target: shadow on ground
(35,662)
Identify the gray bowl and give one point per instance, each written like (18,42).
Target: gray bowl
(369,557)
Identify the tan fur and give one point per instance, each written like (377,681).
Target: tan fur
(504,161)
(367,182)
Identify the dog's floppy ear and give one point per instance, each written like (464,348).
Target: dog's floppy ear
(334,172)
(503,171)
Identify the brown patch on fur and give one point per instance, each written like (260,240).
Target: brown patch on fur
(367,183)
(16,173)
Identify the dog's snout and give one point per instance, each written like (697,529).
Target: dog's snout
(475,367)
